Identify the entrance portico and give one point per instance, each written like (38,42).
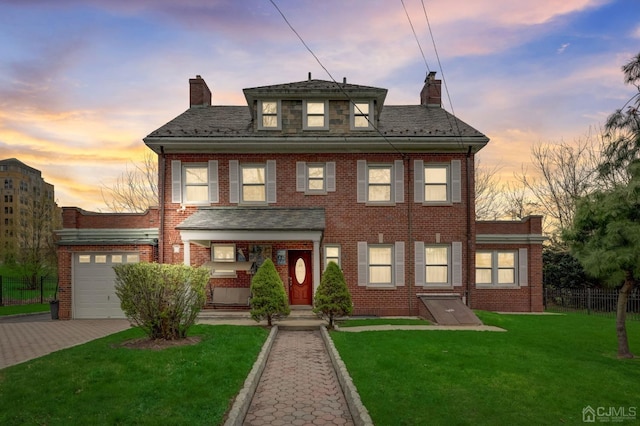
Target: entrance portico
(254,224)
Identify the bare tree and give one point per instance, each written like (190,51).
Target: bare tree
(489,202)
(36,251)
(136,189)
(565,173)
(517,199)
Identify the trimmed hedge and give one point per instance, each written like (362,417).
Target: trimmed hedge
(163,300)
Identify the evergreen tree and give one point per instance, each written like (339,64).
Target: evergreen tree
(268,298)
(332,297)
(605,238)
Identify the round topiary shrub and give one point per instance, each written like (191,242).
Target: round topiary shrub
(268,298)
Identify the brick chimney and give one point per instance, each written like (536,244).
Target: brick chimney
(199,93)
(431,93)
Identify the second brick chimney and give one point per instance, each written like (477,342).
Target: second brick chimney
(431,94)
(199,93)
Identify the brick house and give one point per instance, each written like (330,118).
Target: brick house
(317,171)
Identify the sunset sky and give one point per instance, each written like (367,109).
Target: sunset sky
(82,82)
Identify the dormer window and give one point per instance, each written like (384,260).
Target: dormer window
(362,115)
(269,115)
(315,115)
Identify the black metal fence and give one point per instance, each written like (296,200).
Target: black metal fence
(592,301)
(23,291)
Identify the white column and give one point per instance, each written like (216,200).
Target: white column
(316,265)
(187,252)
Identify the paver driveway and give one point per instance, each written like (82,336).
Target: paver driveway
(31,336)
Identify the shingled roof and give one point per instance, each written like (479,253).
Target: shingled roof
(396,120)
(230,128)
(255,218)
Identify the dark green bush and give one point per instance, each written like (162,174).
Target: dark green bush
(332,297)
(268,298)
(163,300)
(560,269)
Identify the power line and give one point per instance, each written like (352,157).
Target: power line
(334,80)
(415,35)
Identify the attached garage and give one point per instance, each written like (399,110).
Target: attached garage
(89,246)
(94,294)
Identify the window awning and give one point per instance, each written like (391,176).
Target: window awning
(228,266)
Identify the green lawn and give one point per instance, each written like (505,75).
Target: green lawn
(102,383)
(24,309)
(381,321)
(544,370)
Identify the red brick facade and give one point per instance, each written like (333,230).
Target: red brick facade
(406,223)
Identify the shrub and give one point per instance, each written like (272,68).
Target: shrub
(332,297)
(163,300)
(268,298)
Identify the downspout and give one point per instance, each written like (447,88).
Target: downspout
(161,190)
(470,261)
(411,247)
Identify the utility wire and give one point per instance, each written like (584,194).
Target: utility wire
(368,115)
(415,35)
(444,81)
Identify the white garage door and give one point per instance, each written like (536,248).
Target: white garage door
(94,294)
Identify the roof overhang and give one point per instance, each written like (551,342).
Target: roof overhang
(73,236)
(252,224)
(510,239)
(312,145)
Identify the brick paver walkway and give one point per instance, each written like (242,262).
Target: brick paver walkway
(298,385)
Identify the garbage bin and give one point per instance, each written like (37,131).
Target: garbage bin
(55,306)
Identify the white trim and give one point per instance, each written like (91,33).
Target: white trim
(510,238)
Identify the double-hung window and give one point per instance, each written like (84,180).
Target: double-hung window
(331,254)
(498,267)
(223,253)
(315,115)
(269,115)
(381,265)
(436,187)
(439,264)
(380,183)
(437,261)
(437,183)
(315,178)
(194,183)
(362,115)
(253,184)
